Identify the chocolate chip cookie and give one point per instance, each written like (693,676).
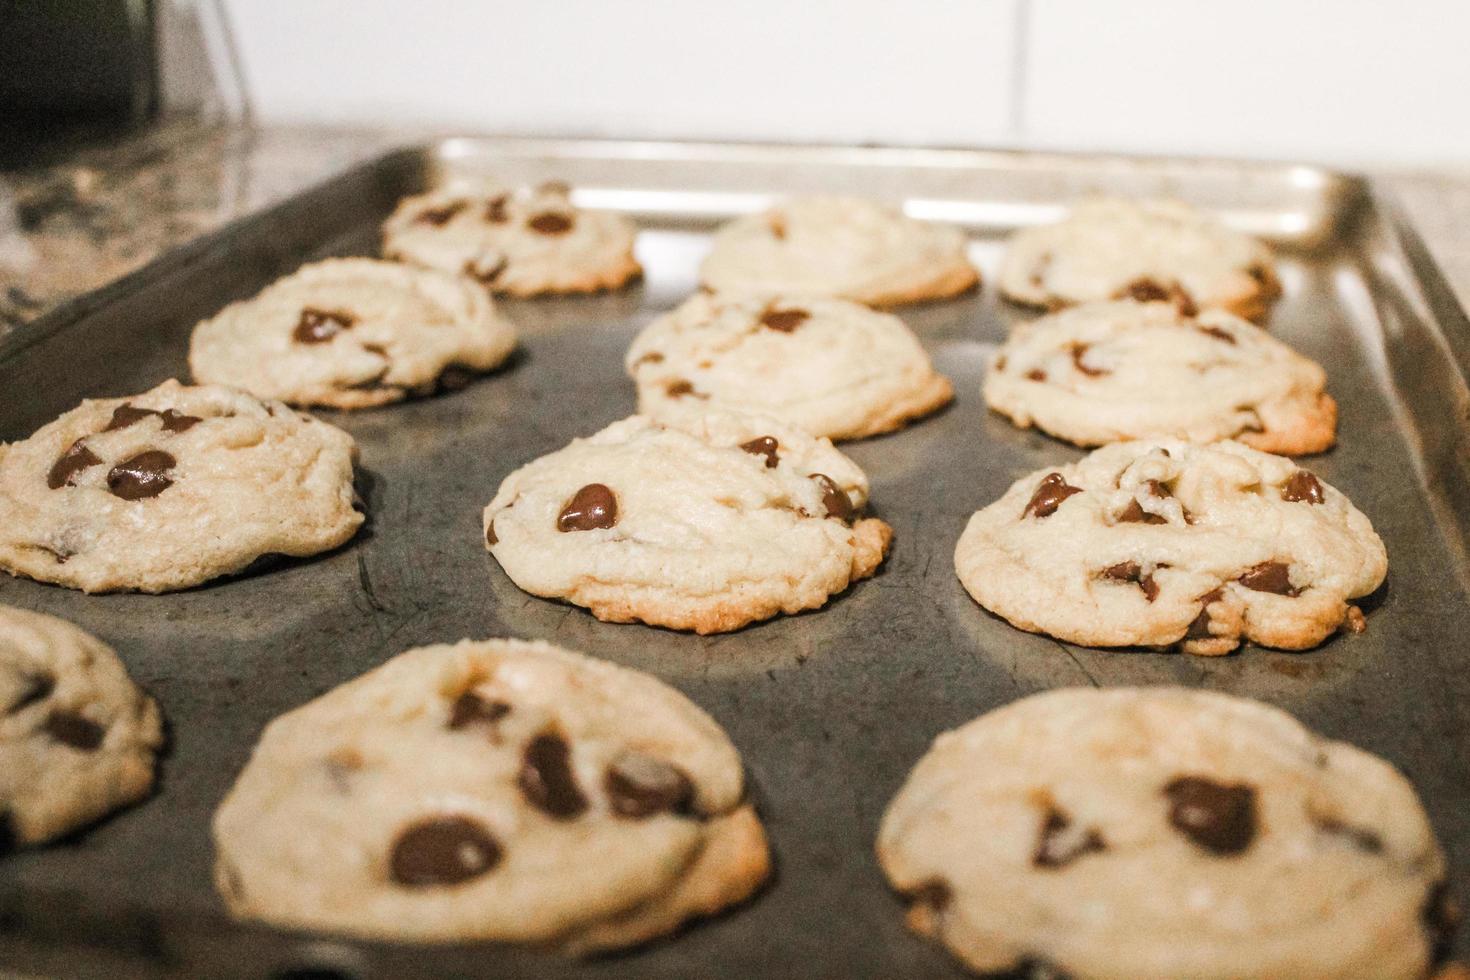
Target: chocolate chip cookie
(1109,248)
(704,521)
(353,333)
(1108,372)
(77,737)
(830,366)
(1168,544)
(521,243)
(847,247)
(171,488)
(498,790)
(1159,833)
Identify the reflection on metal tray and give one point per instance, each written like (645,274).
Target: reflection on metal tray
(830,708)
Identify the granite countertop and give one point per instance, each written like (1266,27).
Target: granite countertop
(71,227)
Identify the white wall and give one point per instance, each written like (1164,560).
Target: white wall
(1345,80)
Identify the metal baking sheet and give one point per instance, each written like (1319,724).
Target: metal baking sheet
(830,708)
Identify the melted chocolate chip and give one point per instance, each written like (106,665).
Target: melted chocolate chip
(1078,352)
(34,687)
(1135,514)
(1219,334)
(547,781)
(786,321)
(1035,374)
(1200,628)
(1049,495)
(144,475)
(1441,917)
(495,212)
(1060,845)
(640,785)
(763,446)
(70,728)
(126,415)
(471,709)
(319,326)
(1217,817)
(1129,571)
(439,215)
(76,458)
(490,537)
(1149,291)
(594,506)
(652,357)
(1367,841)
(550,223)
(1269,576)
(443,851)
(834,498)
(486,274)
(681,388)
(1303,487)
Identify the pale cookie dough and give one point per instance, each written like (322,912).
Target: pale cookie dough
(77,737)
(1161,833)
(1165,543)
(171,488)
(498,790)
(520,243)
(830,366)
(703,522)
(839,246)
(1108,372)
(353,333)
(1109,248)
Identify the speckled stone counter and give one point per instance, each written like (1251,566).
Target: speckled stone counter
(70,228)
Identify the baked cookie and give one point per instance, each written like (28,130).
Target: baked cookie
(498,790)
(830,366)
(703,521)
(521,243)
(1160,833)
(77,738)
(171,488)
(1106,372)
(839,246)
(1110,248)
(1169,544)
(353,333)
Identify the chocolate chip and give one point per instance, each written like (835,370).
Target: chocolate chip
(1049,495)
(550,223)
(547,781)
(1303,487)
(594,506)
(1200,628)
(439,215)
(319,326)
(1149,291)
(777,224)
(1367,841)
(652,357)
(1260,274)
(486,274)
(1441,917)
(763,446)
(471,709)
(558,187)
(1219,334)
(1218,817)
(935,893)
(126,415)
(681,389)
(640,785)
(1060,845)
(1078,352)
(1135,514)
(1129,571)
(490,537)
(1269,576)
(443,851)
(144,475)
(76,458)
(1035,374)
(34,687)
(834,498)
(70,728)
(495,212)
(786,321)
(1000,363)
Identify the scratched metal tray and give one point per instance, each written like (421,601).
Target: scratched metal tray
(830,708)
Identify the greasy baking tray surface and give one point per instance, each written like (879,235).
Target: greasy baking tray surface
(830,708)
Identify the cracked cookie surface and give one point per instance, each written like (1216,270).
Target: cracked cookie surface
(833,367)
(171,488)
(77,738)
(847,247)
(1111,248)
(1157,833)
(1168,544)
(1109,372)
(526,242)
(704,521)
(353,333)
(497,790)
